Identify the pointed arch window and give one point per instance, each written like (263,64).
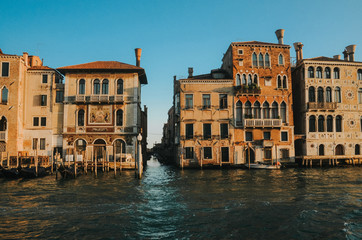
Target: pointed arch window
(248,110)
(283,112)
(337,94)
(250,81)
(120,86)
(4,95)
(279,82)
(319,72)
(312,123)
(275,114)
(336,73)
(267,60)
(360,95)
(256,79)
(238,80)
(327,73)
(329,123)
(239,113)
(81,87)
(328,94)
(338,123)
(311,94)
(81,117)
(281,59)
(284,81)
(261,60)
(266,110)
(244,79)
(359,74)
(119,117)
(255,60)
(257,110)
(320,95)
(311,72)
(3,123)
(105,85)
(96,86)
(320,124)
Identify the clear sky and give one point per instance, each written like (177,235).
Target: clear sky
(174,35)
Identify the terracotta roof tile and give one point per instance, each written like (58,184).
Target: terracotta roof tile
(40,68)
(260,43)
(101,65)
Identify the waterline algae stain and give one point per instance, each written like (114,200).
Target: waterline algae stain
(172,204)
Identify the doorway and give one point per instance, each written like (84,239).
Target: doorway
(249,154)
(225,154)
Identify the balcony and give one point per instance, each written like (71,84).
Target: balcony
(322,105)
(95,98)
(262,123)
(3,135)
(247,89)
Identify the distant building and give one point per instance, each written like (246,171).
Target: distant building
(328,104)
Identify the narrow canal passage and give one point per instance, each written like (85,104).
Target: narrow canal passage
(191,204)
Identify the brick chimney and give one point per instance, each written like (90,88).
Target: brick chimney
(337,57)
(298,46)
(280,35)
(138,52)
(350,51)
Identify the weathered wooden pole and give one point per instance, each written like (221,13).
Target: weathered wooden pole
(103,158)
(7,159)
(96,163)
(320,162)
(114,160)
(120,159)
(92,159)
(107,159)
(75,162)
(140,160)
(249,155)
(17,159)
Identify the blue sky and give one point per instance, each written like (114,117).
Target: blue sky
(174,35)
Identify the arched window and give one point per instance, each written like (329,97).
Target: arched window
(257,110)
(283,112)
(312,124)
(338,124)
(329,123)
(105,86)
(3,123)
(359,74)
(279,81)
(81,117)
(320,97)
(275,114)
(248,109)
(281,59)
(80,145)
(357,149)
(256,79)
(96,87)
(266,110)
(4,95)
(319,72)
(360,95)
(321,150)
(239,113)
(261,60)
(320,124)
(119,117)
(267,60)
(328,94)
(119,86)
(244,79)
(250,81)
(327,72)
(311,72)
(255,60)
(81,86)
(337,94)
(284,81)
(336,73)
(311,94)
(238,80)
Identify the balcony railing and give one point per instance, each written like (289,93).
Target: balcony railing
(3,135)
(322,105)
(247,89)
(262,122)
(95,98)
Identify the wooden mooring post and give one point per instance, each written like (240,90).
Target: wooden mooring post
(96,163)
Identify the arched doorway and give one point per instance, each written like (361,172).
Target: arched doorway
(119,149)
(251,155)
(339,149)
(357,149)
(80,147)
(321,150)
(99,149)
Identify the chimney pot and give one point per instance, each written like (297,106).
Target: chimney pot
(191,71)
(337,57)
(350,51)
(298,46)
(138,52)
(280,35)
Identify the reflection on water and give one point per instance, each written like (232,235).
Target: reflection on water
(198,204)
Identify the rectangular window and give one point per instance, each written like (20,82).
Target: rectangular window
(207,153)
(206,102)
(224,131)
(42,143)
(5,69)
(189,131)
(59,96)
(284,136)
(35,143)
(360,96)
(35,121)
(266,135)
(268,153)
(43,121)
(189,153)
(45,78)
(249,136)
(223,101)
(207,130)
(285,153)
(43,100)
(189,101)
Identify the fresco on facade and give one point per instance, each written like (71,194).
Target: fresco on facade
(100,114)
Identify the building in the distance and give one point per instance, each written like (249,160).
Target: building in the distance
(328,104)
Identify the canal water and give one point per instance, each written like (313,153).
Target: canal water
(191,204)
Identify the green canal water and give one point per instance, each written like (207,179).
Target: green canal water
(169,203)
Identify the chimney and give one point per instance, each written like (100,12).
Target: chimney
(138,52)
(1,52)
(350,51)
(345,55)
(26,58)
(298,46)
(337,57)
(280,35)
(191,71)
